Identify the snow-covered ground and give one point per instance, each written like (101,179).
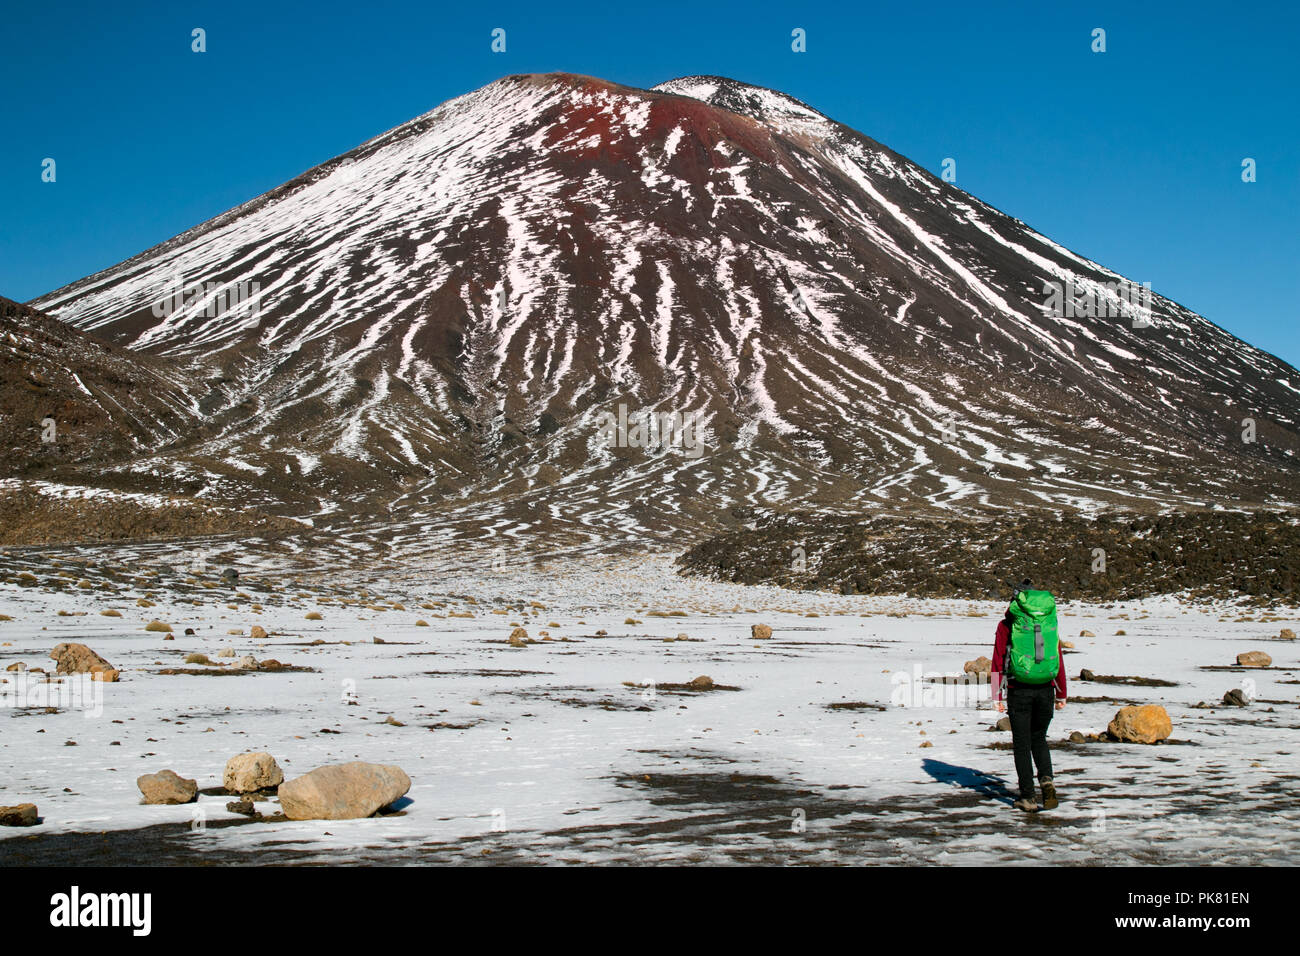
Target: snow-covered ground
(549,753)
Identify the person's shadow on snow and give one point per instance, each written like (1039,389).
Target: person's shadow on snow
(985,784)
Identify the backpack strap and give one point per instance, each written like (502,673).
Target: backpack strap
(1038,643)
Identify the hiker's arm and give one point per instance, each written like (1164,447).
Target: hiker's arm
(1060,681)
(999,657)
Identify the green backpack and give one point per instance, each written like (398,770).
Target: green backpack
(1034,656)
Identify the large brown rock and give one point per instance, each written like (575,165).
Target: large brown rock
(760,631)
(981,665)
(1147,724)
(77,659)
(248,773)
(344,791)
(1254,659)
(258,633)
(23,815)
(167,786)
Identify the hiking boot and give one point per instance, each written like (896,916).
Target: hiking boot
(1026,803)
(1049,794)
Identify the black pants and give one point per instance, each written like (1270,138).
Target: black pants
(1030,708)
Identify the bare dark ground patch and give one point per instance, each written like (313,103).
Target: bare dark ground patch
(1130,681)
(855,705)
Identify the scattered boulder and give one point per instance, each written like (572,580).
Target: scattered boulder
(1287,634)
(1235,698)
(248,663)
(1076,737)
(981,665)
(1147,724)
(197,658)
(703,682)
(258,633)
(230,575)
(22,815)
(105,675)
(1086,674)
(244,807)
(189,632)
(77,659)
(346,791)
(1254,659)
(1004,723)
(17,666)
(167,786)
(158,626)
(250,772)
(518,637)
(226,652)
(1086,633)
(760,632)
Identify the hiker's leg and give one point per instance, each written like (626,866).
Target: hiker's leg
(1044,701)
(1020,712)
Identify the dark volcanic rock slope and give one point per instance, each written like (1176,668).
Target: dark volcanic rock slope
(435,321)
(1204,555)
(105,402)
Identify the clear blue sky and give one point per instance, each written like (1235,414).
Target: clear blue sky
(1131,157)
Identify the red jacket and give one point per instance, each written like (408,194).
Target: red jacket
(1000,642)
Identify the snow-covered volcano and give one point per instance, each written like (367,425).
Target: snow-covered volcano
(446,319)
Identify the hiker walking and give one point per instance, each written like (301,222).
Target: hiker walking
(1029,667)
